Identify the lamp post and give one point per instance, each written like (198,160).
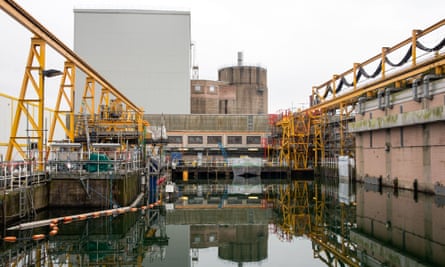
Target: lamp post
(43,74)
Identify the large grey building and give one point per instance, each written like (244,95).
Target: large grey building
(145,54)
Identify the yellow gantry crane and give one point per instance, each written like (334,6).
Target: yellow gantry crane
(128,117)
(304,141)
(303,213)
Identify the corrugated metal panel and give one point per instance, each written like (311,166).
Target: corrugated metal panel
(197,122)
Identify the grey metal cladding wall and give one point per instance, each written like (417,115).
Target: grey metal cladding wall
(144,54)
(209,122)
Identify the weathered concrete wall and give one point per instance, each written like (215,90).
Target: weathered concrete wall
(219,216)
(251,88)
(403,142)
(69,192)
(11,201)
(394,223)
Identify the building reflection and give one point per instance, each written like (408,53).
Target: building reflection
(241,235)
(399,228)
(236,243)
(354,225)
(105,241)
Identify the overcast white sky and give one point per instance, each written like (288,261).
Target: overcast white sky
(301,43)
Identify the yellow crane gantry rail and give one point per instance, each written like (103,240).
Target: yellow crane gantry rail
(327,98)
(416,68)
(37,54)
(24,18)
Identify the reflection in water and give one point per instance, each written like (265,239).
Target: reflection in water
(105,241)
(400,228)
(359,226)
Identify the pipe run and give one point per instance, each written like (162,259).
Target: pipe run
(416,90)
(426,85)
(95,214)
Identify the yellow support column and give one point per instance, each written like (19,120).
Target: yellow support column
(318,125)
(301,145)
(66,95)
(33,77)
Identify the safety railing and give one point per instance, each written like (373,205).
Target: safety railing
(20,174)
(99,162)
(381,62)
(217,163)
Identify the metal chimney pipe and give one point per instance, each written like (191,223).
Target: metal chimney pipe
(240,58)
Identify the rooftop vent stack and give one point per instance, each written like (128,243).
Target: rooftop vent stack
(240,58)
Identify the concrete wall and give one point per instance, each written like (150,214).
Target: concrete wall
(404,141)
(212,97)
(69,192)
(391,223)
(11,201)
(145,54)
(209,122)
(251,88)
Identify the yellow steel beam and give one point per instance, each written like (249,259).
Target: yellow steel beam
(87,107)
(351,97)
(33,76)
(302,134)
(24,18)
(416,34)
(66,95)
(318,121)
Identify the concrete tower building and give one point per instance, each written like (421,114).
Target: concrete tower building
(145,54)
(239,90)
(251,91)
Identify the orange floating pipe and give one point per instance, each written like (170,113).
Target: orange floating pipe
(38,237)
(10,239)
(53,232)
(109,212)
(121,211)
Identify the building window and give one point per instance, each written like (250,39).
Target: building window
(197,88)
(211,88)
(234,140)
(194,140)
(253,140)
(214,139)
(175,139)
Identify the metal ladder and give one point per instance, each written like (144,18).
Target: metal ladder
(26,202)
(23,205)
(32,209)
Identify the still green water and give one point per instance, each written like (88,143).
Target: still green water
(371,228)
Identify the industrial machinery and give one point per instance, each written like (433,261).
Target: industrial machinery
(319,132)
(114,119)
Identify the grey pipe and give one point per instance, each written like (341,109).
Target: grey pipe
(388,98)
(379,99)
(426,85)
(415,90)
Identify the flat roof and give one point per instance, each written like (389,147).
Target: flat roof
(128,8)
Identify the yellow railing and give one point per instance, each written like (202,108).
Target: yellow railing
(330,89)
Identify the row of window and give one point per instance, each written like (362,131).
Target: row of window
(215,139)
(199,88)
